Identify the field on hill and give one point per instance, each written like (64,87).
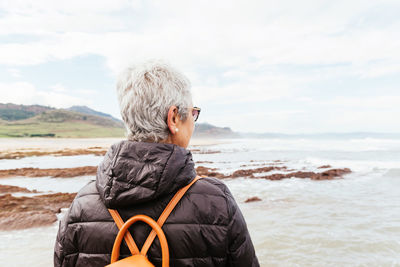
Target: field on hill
(65,129)
(57,123)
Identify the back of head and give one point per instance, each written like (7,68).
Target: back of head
(145,93)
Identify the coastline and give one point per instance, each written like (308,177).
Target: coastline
(13,148)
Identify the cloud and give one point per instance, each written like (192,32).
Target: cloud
(380,102)
(16,73)
(261,53)
(18,92)
(358,120)
(45,17)
(246,33)
(58,88)
(27,94)
(251,88)
(267,121)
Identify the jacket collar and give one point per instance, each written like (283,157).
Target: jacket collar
(137,172)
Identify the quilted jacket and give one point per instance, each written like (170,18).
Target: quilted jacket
(206,228)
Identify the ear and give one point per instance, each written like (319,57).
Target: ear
(172,119)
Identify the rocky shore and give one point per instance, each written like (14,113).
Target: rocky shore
(40,209)
(250,173)
(26,212)
(15,189)
(56,172)
(201,170)
(98,151)
(16,148)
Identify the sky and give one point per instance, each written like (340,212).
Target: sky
(255,66)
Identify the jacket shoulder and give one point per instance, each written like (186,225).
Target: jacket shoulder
(86,225)
(87,206)
(205,203)
(210,186)
(88,189)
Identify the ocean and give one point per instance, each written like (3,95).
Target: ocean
(348,221)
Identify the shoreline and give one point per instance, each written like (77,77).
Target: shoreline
(16,148)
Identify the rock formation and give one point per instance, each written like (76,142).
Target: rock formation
(249,173)
(98,151)
(26,212)
(57,172)
(252,199)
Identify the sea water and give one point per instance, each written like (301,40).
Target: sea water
(353,221)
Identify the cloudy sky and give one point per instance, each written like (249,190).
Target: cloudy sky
(260,66)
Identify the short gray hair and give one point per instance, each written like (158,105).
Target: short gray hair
(145,94)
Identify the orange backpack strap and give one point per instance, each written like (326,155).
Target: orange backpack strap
(167,211)
(163,217)
(128,238)
(139,259)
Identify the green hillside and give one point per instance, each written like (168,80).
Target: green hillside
(11,115)
(12,112)
(60,123)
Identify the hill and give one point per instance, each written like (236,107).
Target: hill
(76,122)
(206,130)
(35,120)
(89,111)
(12,112)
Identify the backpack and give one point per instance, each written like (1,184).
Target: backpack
(140,258)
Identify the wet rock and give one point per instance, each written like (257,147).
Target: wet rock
(14,189)
(204,162)
(57,172)
(250,172)
(324,167)
(26,212)
(98,151)
(326,175)
(252,199)
(212,172)
(28,219)
(333,173)
(209,172)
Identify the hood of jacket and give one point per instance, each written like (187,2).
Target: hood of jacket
(137,172)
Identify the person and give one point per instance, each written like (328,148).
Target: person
(141,174)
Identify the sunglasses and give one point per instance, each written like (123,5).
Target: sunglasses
(196,113)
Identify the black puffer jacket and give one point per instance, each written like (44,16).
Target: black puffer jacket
(206,228)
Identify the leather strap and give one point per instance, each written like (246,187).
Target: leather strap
(167,211)
(128,238)
(163,217)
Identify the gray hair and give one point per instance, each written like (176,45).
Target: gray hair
(145,94)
